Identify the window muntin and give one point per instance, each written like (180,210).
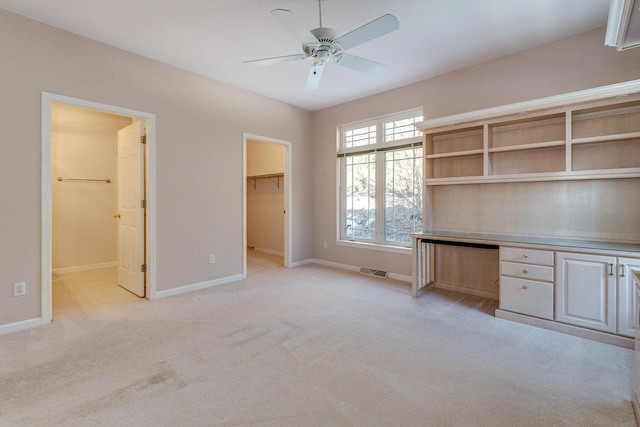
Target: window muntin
(388,151)
(397,130)
(360,136)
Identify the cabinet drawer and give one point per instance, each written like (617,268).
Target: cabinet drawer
(527,256)
(526,297)
(527,271)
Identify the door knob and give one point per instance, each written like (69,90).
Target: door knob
(117,215)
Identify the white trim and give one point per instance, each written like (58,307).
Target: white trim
(86,267)
(150,196)
(198,286)
(336,265)
(303,262)
(10,328)
(374,246)
(288,196)
(394,276)
(593,94)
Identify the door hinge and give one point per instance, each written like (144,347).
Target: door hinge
(143,268)
(143,204)
(143,139)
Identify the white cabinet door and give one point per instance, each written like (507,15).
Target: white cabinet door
(626,299)
(586,290)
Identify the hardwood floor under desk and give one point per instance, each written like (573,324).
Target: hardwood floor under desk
(466,269)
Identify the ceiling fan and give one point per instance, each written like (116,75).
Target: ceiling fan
(323,44)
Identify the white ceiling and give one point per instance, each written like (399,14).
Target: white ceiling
(214,37)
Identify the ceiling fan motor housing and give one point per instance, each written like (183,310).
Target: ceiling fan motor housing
(326,49)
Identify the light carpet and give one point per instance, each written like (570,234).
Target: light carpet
(311,346)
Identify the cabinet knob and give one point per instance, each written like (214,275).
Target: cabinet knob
(524,286)
(525,256)
(524,271)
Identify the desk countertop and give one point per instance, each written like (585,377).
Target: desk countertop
(507,239)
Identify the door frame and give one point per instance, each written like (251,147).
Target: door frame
(150,191)
(287,196)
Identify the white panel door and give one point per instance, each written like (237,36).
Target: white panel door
(586,290)
(130,211)
(627,310)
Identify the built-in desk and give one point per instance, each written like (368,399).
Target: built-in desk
(575,286)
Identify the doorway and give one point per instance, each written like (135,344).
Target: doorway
(93,231)
(266,203)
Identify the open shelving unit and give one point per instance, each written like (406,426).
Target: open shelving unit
(592,134)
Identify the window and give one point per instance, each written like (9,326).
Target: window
(381,179)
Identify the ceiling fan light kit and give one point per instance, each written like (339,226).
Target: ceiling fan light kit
(323,44)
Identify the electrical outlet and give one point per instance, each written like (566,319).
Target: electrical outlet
(324,244)
(212,259)
(19,289)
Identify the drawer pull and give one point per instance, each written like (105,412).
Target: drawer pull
(524,271)
(524,286)
(525,256)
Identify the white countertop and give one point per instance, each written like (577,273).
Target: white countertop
(507,239)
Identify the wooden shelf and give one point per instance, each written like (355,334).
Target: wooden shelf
(455,154)
(593,134)
(538,177)
(531,146)
(605,138)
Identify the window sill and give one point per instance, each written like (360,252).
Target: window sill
(375,246)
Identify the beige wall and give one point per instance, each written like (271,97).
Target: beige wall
(265,198)
(576,63)
(84,144)
(264,158)
(200,125)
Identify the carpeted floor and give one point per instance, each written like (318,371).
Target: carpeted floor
(310,346)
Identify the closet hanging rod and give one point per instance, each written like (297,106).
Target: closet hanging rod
(83,180)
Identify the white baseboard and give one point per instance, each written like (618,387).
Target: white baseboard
(394,276)
(336,265)
(197,286)
(20,326)
(269,251)
(301,263)
(77,268)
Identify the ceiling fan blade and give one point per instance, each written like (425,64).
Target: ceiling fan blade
(313,80)
(360,64)
(374,29)
(291,23)
(276,60)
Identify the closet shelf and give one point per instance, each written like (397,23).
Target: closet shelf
(274,177)
(61,179)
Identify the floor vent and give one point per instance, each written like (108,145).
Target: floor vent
(372,272)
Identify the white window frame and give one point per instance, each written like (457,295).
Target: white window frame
(379,148)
